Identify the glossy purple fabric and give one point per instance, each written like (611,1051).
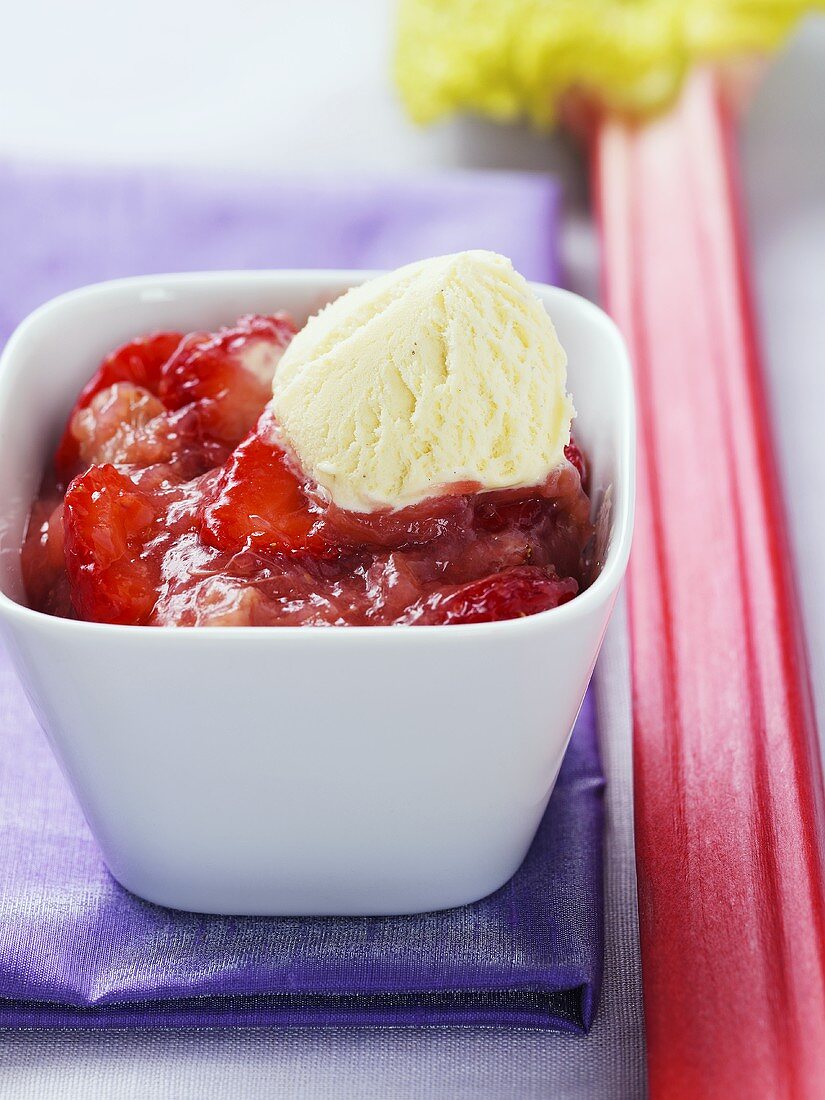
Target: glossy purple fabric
(77,950)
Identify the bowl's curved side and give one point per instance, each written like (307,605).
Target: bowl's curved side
(280,775)
(275,770)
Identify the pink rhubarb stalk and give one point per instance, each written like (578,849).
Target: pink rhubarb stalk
(728,776)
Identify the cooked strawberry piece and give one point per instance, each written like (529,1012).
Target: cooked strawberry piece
(515,592)
(139,362)
(228,372)
(260,504)
(107,522)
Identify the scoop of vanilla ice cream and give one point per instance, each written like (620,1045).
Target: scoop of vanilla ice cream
(445,371)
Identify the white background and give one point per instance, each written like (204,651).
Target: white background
(287,84)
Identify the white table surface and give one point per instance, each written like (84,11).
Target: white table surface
(296,87)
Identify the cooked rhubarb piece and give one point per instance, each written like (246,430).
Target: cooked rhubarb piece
(139,362)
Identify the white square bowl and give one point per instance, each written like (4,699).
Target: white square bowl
(302,770)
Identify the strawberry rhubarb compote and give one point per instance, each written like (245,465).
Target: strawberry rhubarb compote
(171,501)
(404,458)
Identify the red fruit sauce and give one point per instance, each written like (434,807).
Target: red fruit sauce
(171,503)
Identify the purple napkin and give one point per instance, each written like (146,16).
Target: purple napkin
(76,950)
